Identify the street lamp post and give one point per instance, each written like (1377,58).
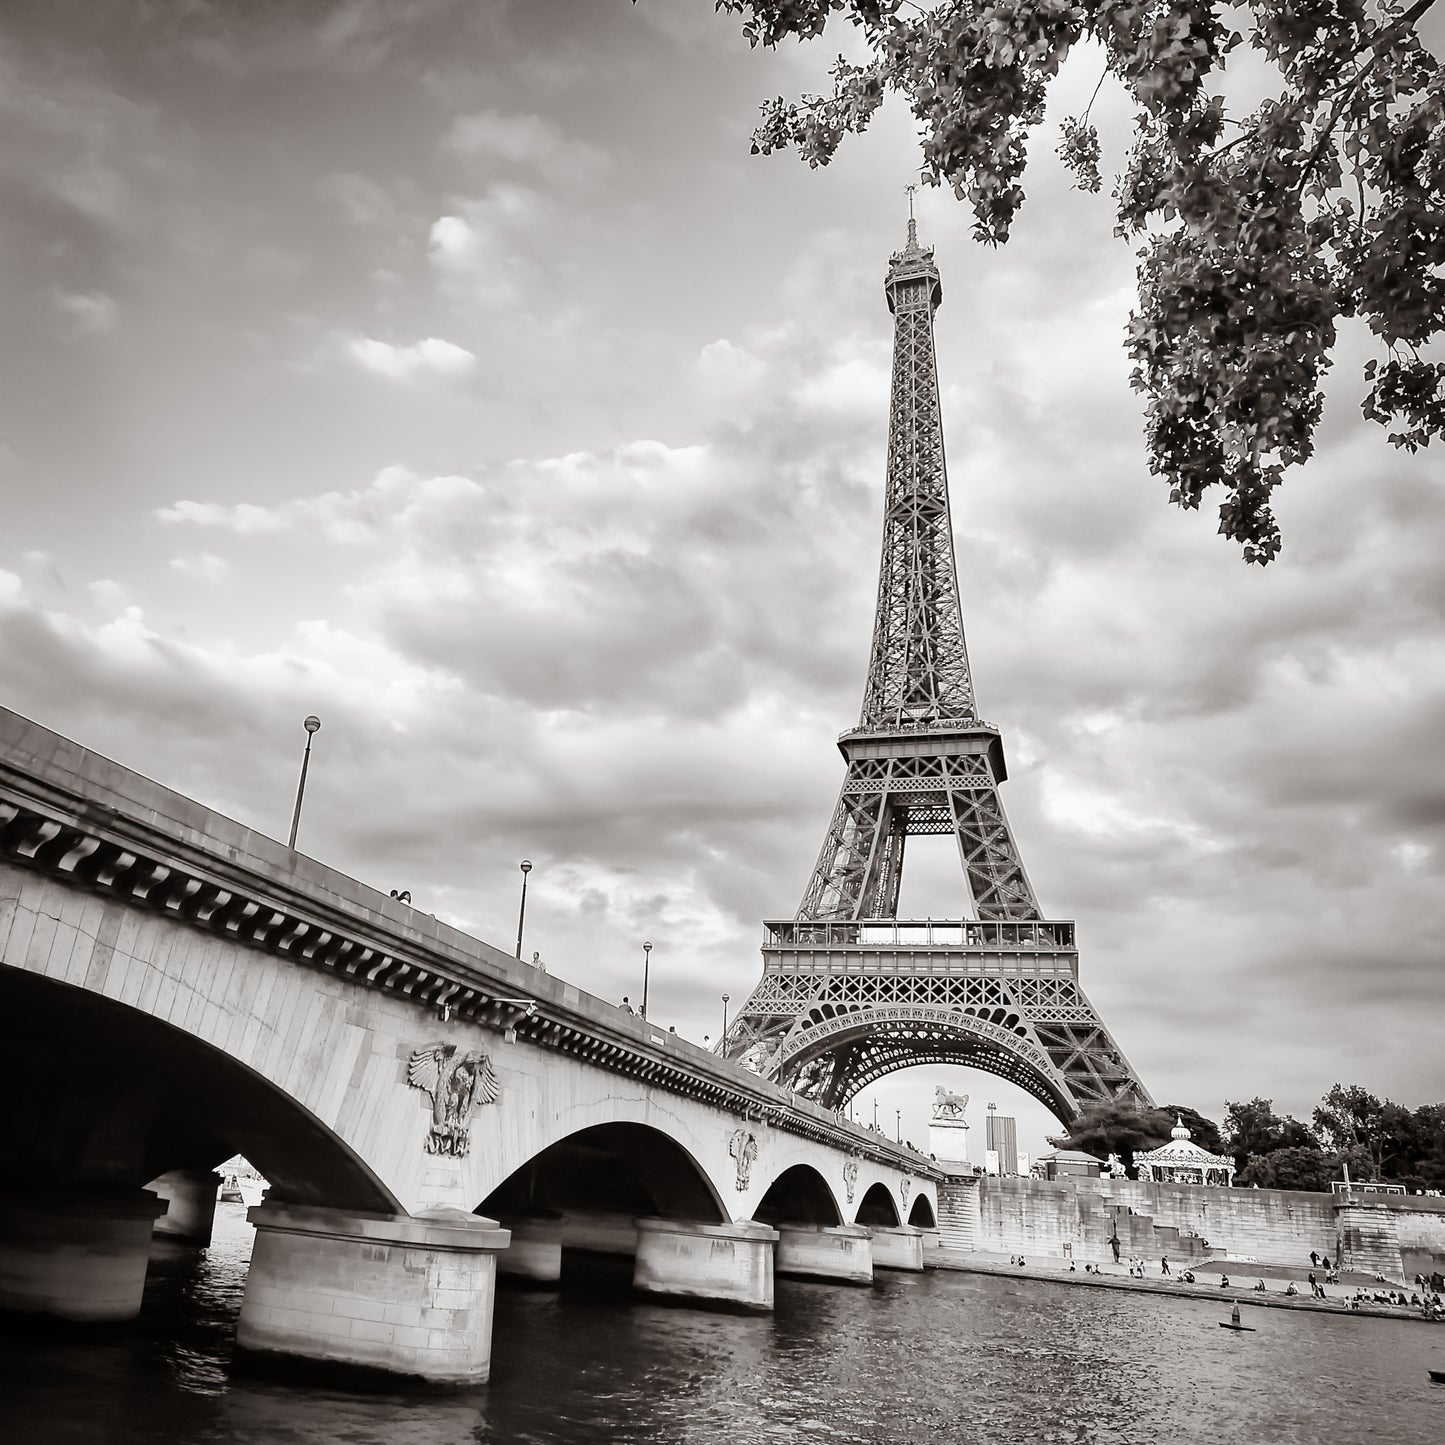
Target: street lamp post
(526,866)
(725,1017)
(898,1125)
(646,970)
(312,726)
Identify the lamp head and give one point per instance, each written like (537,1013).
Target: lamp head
(312,724)
(647,948)
(526,865)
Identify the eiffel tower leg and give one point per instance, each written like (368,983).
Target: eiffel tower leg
(861,858)
(882,895)
(995,872)
(1084,1052)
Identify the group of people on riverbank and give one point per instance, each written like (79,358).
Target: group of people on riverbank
(1430,1304)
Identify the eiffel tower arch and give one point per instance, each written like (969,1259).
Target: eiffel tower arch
(850,992)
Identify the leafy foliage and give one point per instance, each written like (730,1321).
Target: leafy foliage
(1254,234)
(1255,1129)
(1292,1168)
(1352,1128)
(1125,1130)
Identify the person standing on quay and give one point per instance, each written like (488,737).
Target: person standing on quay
(1164,1265)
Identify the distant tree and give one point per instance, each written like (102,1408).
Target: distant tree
(1125,1130)
(1255,1129)
(1254,233)
(1118,1128)
(1430,1161)
(1293,1168)
(1352,1122)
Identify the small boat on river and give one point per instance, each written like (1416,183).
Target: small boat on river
(1438,1376)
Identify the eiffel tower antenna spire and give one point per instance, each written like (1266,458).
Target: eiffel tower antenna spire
(850,992)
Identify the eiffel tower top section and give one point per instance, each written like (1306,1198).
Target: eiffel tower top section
(918,674)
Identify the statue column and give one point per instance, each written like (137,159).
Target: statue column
(948,1135)
(345,1293)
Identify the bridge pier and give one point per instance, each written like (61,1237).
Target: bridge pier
(897,1246)
(842,1253)
(76,1256)
(720,1264)
(336,1291)
(190,1195)
(535,1253)
(599,1232)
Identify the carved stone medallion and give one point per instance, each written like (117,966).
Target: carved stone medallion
(850,1177)
(456,1083)
(904,1185)
(744,1148)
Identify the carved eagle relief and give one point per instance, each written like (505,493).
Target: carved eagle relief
(743,1146)
(457,1083)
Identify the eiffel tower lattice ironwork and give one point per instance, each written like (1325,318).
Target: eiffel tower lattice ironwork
(849,991)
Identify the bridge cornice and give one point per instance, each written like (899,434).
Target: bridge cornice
(93,825)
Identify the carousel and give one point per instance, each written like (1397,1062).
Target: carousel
(1181,1161)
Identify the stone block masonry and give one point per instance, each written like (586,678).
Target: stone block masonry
(1035,1216)
(834,1252)
(76,1256)
(1370,1241)
(1080,1216)
(410,1297)
(719,1264)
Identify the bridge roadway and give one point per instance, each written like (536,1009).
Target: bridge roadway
(176,988)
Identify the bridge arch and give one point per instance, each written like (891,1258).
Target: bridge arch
(878,1206)
(616,1167)
(921,1213)
(103,1093)
(839,1050)
(799,1195)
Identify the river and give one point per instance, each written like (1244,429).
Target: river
(932,1359)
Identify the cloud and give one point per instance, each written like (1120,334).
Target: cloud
(486,251)
(361,200)
(243,517)
(205,568)
(402,363)
(393,499)
(92,312)
(528,142)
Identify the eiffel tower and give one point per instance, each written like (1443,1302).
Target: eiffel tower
(849,991)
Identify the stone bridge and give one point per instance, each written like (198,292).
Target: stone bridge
(175,989)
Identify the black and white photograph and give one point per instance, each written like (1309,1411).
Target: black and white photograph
(722,722)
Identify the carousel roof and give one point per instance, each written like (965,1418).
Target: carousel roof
(1181,1151)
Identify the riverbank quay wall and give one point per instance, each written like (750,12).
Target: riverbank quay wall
(1390,1234)
(176,988)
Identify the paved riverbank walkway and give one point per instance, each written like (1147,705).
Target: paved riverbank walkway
(1242,1277)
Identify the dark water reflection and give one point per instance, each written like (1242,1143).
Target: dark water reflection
(937,1358)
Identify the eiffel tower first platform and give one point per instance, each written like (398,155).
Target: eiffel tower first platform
(849,991)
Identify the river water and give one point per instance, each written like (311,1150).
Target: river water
(929,1359)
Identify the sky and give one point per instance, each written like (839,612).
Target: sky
(450,370)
